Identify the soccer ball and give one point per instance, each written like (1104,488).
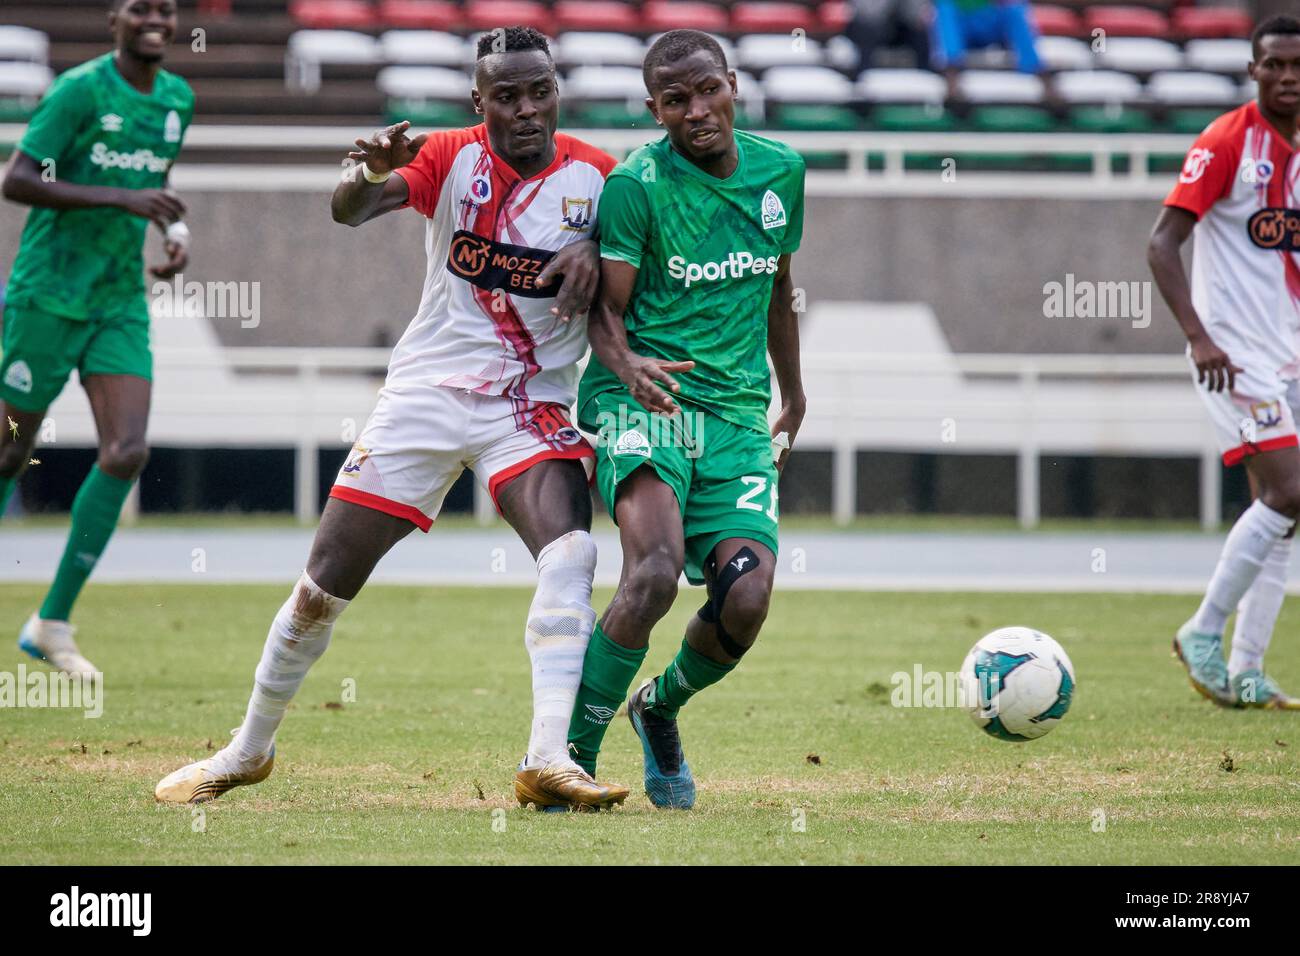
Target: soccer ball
(1018,683)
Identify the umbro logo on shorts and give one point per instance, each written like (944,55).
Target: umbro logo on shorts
(19,377)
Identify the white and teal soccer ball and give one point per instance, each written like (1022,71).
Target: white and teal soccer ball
(1018,683)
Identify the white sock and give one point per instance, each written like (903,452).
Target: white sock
(560,622)
(1258,611)
(298,637)
(1249,542)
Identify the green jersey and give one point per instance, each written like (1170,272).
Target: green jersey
(707,251)
(95,129)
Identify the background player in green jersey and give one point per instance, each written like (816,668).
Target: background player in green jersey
(93,166)
(697,230)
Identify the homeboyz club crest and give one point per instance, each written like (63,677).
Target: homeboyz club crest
(172,128)
(632,443)
(19,377)
(773,211)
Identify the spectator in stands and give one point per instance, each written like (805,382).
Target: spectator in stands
(878,23)
(962,25)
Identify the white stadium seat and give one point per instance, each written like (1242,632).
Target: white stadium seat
(841,54)
(423,48)
(1218,56)
(902,86)
(424,83)
(1064,53)
(598,49)
(24,44)
(1000,86)
(309,49)
(1193,89)
(762,51)
(1248,91)
(807,84)
(605,83)
(25,80)
(1139,55)
(1098,86)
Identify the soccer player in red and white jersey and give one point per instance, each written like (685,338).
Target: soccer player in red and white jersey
(1240,190)
(483,378)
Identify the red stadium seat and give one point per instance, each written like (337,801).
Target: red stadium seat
(657,15)
(332,14)
(1197,23)
(420,14)
(607,15)
(773,18)
(1056,21)
(1126,21)
(490,14)
(834,17)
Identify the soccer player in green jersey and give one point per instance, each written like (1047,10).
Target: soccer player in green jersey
(697,231)
(93,165)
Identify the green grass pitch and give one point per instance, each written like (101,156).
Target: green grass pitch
(799,755)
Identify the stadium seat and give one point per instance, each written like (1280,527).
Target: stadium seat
(25,81)
(1064,53)
(807,84)
(902,86)
(817,117)
(308,50)
(1000,86)
(423,83)
(1139,55)
(1125,21)
(1203,22)
(490,14)
(841,54)
(24,44)
(666,15)
(1110,118)
(1218,56)
(1056,21)
(1192,121)
(765,50)
(773,18)
(597,15)
(422,113)
(1098,86)
(332,14)
(833,18)
(1178,88)
(911,117)
(598,49)
(420,14)
(1010,119)
(424,48)
(605,83)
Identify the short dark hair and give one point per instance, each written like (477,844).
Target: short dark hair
(510,39)
(678,45)
(1280,25)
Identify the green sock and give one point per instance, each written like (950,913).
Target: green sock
(688,674)
(94,516)
(7,486)
(607,672)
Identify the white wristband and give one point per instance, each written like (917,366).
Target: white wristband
(178,232)
(373,177)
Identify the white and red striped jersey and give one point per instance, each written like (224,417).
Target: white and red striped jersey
(482,324)
(1239,180)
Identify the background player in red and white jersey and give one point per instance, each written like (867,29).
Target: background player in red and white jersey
(483,378)
(1238,189)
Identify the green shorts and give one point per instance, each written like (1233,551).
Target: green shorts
(722,473)
(40,351)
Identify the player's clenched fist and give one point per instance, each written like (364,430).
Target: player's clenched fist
(643,377)
(388,149)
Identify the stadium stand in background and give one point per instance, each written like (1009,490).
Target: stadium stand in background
(1117,68)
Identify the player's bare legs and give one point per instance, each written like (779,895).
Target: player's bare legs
(549,506)
(349,543)
(1269,521)
(17,442)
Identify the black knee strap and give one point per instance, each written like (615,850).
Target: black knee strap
(741,563)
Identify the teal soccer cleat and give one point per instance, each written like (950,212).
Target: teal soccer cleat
(668,780)
(1202,655)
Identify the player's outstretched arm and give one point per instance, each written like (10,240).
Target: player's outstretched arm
(1213,367)
(369,188)
(783,346)
(642,375)
(26,182)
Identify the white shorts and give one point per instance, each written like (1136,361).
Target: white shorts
(419,439)
(1258,415)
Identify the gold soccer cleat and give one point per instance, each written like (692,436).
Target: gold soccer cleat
(208,779)
(565,784)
